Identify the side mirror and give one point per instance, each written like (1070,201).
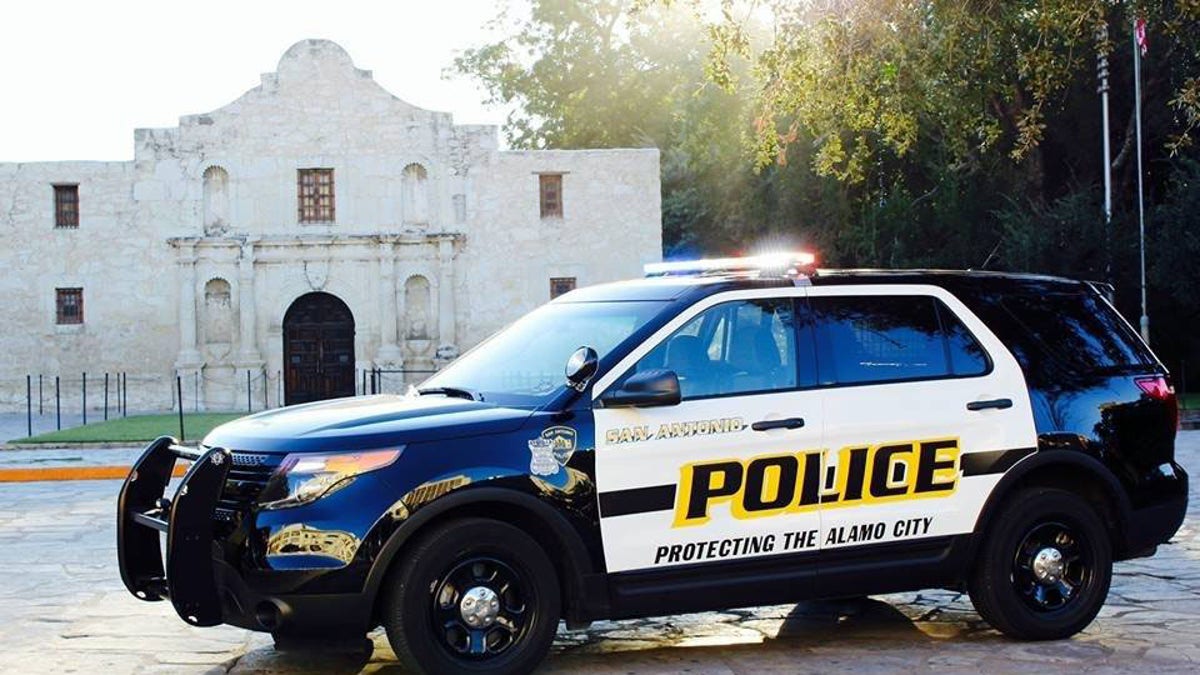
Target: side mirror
(646,389)
(581,368)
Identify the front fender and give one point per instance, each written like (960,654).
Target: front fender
(505,498)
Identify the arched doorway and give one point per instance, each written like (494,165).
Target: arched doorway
(318,349)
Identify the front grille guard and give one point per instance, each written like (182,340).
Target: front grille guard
(143,512)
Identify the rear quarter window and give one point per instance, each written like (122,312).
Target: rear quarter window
(1076,329)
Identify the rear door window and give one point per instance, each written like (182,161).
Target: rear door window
(891,338)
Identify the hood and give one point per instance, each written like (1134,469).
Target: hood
(365,422)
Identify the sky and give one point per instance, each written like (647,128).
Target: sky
(79,77)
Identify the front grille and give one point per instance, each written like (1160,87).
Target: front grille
(247,478)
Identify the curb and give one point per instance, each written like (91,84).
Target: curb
(71,473)
(108,445)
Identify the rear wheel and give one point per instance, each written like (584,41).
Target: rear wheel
(474,596)
(1044,567)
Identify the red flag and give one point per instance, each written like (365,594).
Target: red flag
(1139,29)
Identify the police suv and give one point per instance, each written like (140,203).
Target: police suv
(728,433)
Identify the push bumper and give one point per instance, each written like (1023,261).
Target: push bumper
(143,513)
(205,589)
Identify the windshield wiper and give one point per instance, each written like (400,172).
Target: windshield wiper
(453,392)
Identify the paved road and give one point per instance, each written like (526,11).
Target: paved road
(63,609)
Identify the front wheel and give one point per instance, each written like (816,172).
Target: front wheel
(1044,568)
(474,596)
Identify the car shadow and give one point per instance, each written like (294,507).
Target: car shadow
(666,644)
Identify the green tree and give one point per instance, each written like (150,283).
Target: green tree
(875,80)
(610,73)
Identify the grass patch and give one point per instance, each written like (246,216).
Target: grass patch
(1190,401)
(137,429)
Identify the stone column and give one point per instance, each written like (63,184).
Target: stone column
(190,362)
(248,348)
(248,358)
(389,356)
(447,314)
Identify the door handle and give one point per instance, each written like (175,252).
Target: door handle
(997,403)
(789,423)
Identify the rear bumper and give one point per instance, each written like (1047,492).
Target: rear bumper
(1155,524)
(205,589)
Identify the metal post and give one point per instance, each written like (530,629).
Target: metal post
(1137,107)
(179,393)
(105,397)
(1183,384)
(40,409)
(29,404)
(266,387)
(124,394)
(1102,89)
(279,387)
(196,391)
(57,405)
(85,399)
(249,405)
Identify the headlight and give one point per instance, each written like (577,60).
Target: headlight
(304,478)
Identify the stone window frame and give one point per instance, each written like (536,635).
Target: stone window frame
(315,203)
(66,206)
(562,285)
(68,306)
(550,194)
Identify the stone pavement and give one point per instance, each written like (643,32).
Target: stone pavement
(63,609)
(16,425)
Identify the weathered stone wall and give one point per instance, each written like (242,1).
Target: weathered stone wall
(191,254)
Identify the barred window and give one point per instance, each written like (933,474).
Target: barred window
(550,188)
(561,285)
(315,195)
(66,206)
(69,302)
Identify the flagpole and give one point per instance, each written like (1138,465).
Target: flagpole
(1102,89)
(1137,103)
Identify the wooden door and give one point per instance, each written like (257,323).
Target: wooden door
(318,349)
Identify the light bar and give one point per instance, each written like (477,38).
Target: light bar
(788,263)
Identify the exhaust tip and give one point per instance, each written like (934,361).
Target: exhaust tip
(270,614)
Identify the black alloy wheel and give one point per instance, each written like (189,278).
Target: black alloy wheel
(1044,565)
(472,596)
(1051,569)
(480,609)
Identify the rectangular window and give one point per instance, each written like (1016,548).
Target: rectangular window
(315,195)
(890,338)
(66,206)
(550,188)
(69,302)
(561,285)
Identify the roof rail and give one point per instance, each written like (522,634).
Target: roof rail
(789,264)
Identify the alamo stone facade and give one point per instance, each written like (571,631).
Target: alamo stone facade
(314,228)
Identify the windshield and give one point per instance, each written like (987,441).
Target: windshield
(524,364)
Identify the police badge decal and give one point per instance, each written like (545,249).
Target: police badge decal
(551,450)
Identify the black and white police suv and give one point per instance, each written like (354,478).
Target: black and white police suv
(731,433)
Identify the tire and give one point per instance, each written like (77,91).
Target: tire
(433,592)
(1044,567)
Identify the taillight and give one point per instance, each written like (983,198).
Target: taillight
(1158,388)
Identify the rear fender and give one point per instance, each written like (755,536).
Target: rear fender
(1070,466)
